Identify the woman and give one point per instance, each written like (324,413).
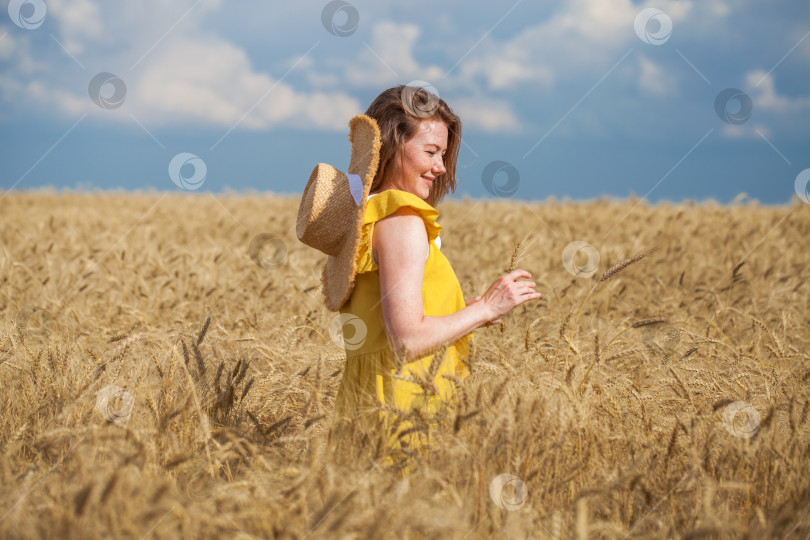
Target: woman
(403,300)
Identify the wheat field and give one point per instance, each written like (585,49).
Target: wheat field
(161,378)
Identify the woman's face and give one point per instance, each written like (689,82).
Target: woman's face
(421,159)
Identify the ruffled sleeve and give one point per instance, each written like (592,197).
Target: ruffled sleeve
(384,204)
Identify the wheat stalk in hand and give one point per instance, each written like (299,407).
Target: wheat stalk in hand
(518,252)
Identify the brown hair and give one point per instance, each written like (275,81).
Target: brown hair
(399,111)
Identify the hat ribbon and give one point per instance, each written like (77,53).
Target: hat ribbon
(356,187)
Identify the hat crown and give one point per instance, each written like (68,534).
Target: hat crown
(326,210)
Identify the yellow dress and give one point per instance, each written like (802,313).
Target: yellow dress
(373,391)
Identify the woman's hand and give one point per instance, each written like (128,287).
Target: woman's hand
(506,293)
(477,299)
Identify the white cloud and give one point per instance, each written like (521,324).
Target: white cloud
(769,107)
(389,58)
(182,67)
(655,79)
(580,41)
(177,73)
(79,22)
(506,66)
(582,37)
(6,44)
(588,21)
(486,114)
(213,81)
(719,8)
(762,89)
(65,101)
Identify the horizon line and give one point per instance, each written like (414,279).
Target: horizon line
(741,199)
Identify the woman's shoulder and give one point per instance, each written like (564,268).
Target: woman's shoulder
(410,216)
(402,203)
(404,222)
(385,203)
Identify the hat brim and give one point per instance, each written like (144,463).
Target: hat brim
(339,272)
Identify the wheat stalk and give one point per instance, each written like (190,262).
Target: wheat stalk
(518,252)
(616,268)
(609,273)
(203,331)
(650,321)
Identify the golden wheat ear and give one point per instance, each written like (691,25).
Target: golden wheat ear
(518,252)
(616,268)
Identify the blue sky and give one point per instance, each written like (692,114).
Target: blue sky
(583,98)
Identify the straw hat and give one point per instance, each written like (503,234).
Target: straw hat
(333,208)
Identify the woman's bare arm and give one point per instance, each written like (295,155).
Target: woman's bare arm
(400,243)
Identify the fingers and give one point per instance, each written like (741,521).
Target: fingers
(527,292)
(518,273)
(508,292)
